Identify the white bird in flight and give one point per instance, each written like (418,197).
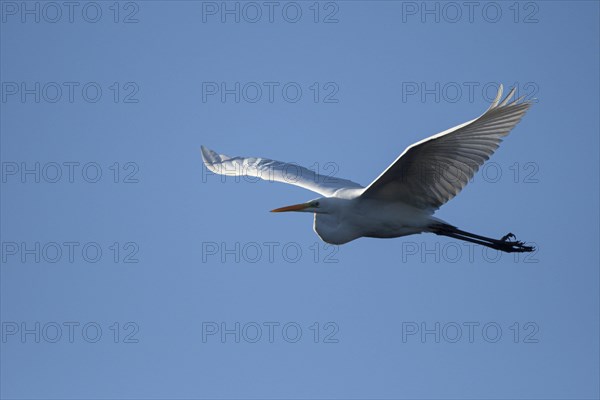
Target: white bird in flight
(402,200)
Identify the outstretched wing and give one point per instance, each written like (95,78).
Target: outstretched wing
(432,171)
(271,170)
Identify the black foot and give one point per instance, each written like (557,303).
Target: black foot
(518,247)
(509,235)
(512,246)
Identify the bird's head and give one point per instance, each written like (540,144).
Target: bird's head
(320,206)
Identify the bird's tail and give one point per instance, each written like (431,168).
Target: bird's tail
(503,244)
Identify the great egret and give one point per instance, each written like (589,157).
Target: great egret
(403,199)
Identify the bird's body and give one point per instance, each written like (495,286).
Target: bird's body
(403,199)
(351,217)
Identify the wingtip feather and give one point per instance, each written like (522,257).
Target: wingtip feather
(209,157)
(507,98)
(498,97)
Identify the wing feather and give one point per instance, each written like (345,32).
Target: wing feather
(278,171)
(432,171)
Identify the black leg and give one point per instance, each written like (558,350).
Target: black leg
(504,244)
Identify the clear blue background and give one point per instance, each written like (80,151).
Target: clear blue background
(376,285)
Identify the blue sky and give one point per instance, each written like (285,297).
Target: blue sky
(129,271)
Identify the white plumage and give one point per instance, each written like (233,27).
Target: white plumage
(402,200)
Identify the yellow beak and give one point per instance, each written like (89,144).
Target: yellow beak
(295,207)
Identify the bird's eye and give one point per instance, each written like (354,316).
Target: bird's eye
(316,204)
